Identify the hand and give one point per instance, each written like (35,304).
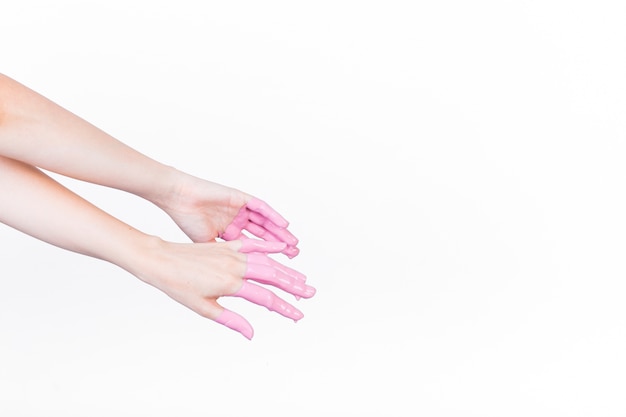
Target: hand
(197,274)
(205,211)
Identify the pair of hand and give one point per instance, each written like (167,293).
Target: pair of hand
(206,211)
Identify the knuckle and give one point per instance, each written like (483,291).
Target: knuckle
(206,310)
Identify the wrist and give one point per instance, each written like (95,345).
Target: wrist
(136,253)
(164,186)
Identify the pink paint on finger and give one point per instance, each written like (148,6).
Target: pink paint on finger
(259,219)
(232,232)
(281,233)
(236,226)
(263,246)
(236,322)
(265,234)
(266,298)
(260,231)
(291,252)
(260,270)
(284,235)
(268,275)
(263,208)
(266,260)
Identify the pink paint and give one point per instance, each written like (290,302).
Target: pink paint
(236,322)
(254,245)
(262,221)
(264,297)
(265,270)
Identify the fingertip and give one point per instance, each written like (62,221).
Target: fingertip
(309,292)
(236,322)
(297,315)
(291,252)
(248,334)
(306,293)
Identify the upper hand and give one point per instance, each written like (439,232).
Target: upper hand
(205,211)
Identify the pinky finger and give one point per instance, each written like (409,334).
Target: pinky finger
(236,322)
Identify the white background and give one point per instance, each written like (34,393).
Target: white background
(453,169)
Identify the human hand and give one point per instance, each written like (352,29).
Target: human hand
(198,274)
(205,210)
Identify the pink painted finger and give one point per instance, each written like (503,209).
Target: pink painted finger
(262,246)
(267,261)
(268,275)
(291,252)
(236,226)
(263,208)
(266,298)
(232,232)
(259,219)
(260,231)
(282,233)
(236,322)
(265,234)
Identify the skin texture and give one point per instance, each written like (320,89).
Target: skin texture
(37,133)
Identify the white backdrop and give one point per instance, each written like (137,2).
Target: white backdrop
(453,169)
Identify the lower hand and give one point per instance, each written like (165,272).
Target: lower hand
(198,274)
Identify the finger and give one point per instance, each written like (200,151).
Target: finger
(265,234)
(263,208)
(235,233)
(233,230)
(254,245)
(266,274)
(266,260)
(260,231)
(285,235)
(291,252)
(282,233)
(236,322)
(264,297)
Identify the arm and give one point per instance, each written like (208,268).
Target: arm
(195,275)
(38,132)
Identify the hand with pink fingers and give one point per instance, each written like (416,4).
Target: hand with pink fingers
(259,219)
(205,211)
(198,274)
(263,269)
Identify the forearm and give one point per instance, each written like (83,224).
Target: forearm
(34,203)
(39,132)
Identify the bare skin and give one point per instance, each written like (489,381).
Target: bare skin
(35,132)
